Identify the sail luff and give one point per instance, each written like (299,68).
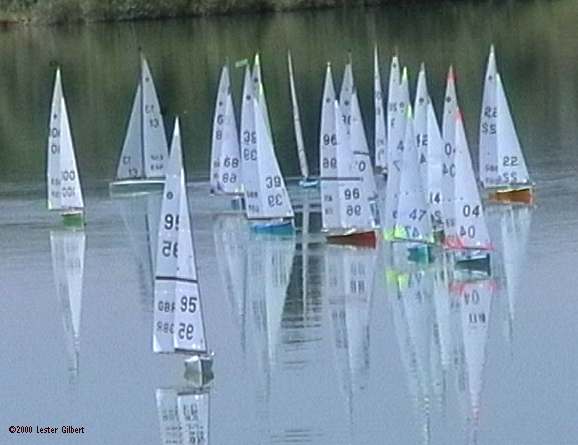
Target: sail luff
(54,146)
(155,147)
(488,149)
(131,162)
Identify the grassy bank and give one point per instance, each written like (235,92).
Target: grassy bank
(58,11)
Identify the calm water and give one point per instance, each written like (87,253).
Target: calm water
(314,344)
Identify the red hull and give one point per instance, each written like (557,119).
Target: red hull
(522,196)
(361,239)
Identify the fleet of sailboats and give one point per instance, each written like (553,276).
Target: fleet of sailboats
(432,207)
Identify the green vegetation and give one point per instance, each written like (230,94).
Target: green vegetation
(58,11)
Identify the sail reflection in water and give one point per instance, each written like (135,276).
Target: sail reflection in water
(67,248)
(475,298)
(513,230)
(269,264)
(231,235)
(349,280)
(141,214)
(183,416)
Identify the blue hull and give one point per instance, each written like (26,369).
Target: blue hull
(308,183)
(274,228)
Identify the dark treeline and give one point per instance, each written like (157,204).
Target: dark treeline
(58,11)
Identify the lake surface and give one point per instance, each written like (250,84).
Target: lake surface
(314,344)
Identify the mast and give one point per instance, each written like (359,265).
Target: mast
(297,121)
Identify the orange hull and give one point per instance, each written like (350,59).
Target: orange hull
(361,239)
(522,196)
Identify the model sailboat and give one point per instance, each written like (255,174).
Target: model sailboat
(503,170)
(267,202)
(144,151)
(470,235)
(345,204)
(397,118)
(306,180)
(63,185)
(225,153)
(413,223)
(178,315)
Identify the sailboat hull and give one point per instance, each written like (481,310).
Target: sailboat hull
(134,186)
(284,227)
(360,239)
(523,195)
(199,369)
(478,262)
(73,218)
(308,183)
(421,254)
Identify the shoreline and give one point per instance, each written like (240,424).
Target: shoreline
(54,12)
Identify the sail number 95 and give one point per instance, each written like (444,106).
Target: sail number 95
(189,304)
(186,331)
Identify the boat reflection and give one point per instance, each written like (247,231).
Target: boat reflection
(184,415)
(67,247)
(349,276)
(512,225)
(141,215)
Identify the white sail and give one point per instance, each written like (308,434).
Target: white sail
(224,90)
(155,149)
(476,301)
(229,173)
(304,167)
(53,174)
(193,414)
(353,201)
(398,119)
(511,162)
(260,92)
(413,222)
(178,322)
(360,147)
(380,139)
(328,156)
(345,94)
(274,201)
(67,248)
(434,168)
(131,163)
(249,164)
(448,154)
(420,123)
(471,231)
(488,151)
(64,192)
(395,119)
